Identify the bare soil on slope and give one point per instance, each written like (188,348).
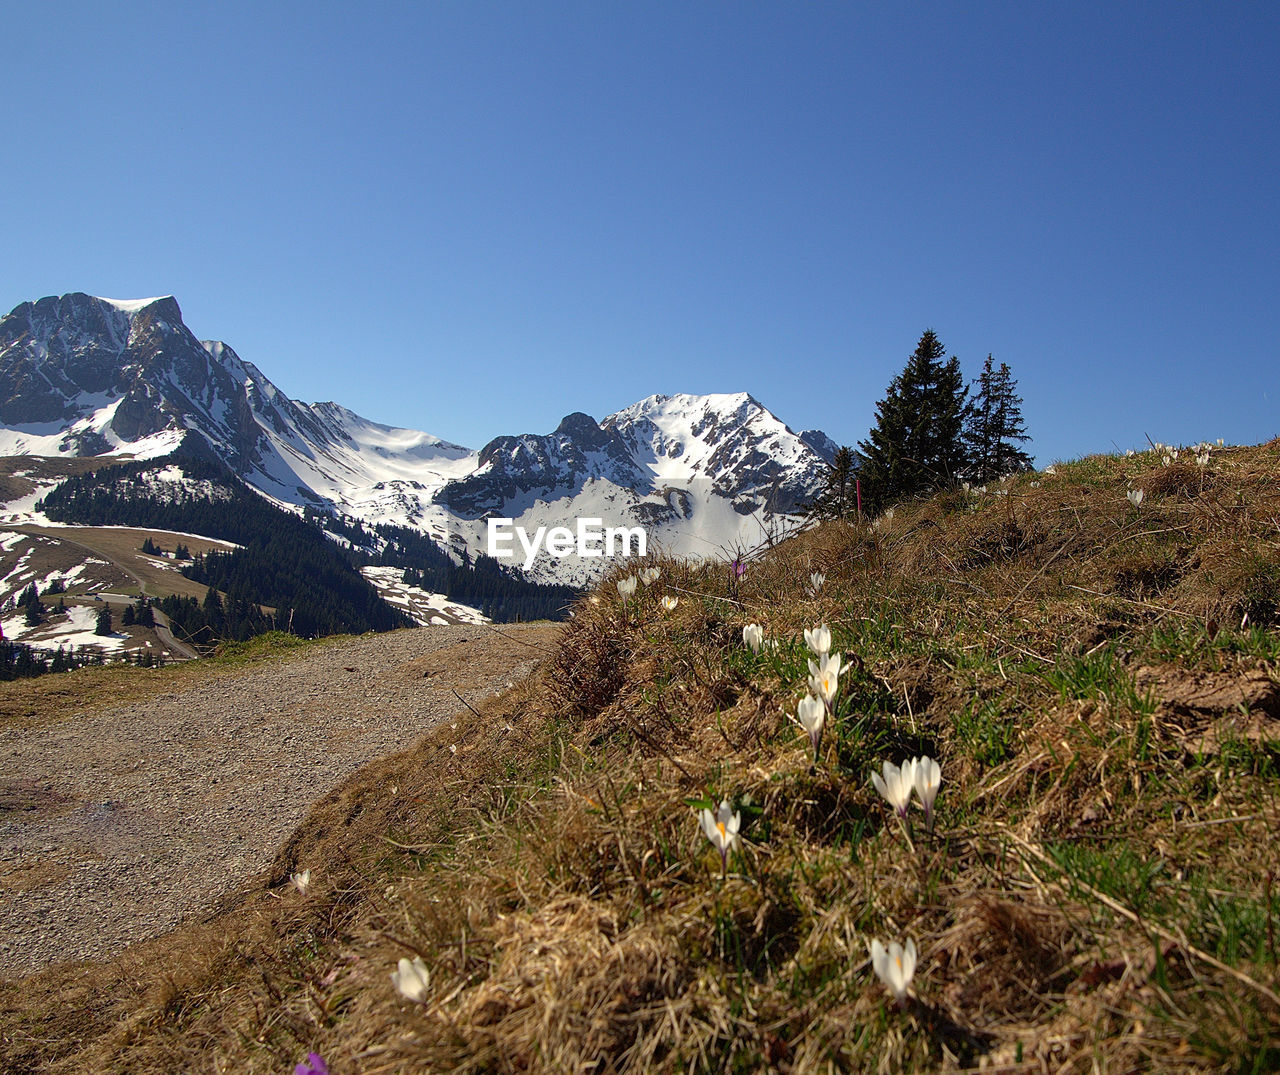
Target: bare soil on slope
(123,817)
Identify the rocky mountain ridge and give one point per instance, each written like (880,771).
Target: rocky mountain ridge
(87,376)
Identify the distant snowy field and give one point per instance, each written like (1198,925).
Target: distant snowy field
(426,609)
(76,630)
(22,575)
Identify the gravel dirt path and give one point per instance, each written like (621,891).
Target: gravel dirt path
(120,823)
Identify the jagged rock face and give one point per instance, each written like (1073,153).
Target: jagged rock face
(558,464)
(731,441)
(53,350)
(64,359)
(140,413)
(823,445)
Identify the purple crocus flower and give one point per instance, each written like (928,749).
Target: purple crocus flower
(313,1065)
(739,568)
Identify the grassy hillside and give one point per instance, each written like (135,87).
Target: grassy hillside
(1098,891)
(122,546)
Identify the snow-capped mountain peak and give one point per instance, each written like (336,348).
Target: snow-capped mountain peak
(723,438)
(81,375)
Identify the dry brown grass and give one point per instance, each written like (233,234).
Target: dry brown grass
(20,474)
(62,697)
(1097,894)
(122,547)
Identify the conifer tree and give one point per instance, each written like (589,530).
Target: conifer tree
(994,428)
(838,498)
(916,444)
(103,626)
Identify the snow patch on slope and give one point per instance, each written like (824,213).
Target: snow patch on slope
(424,607)
(131,306)
(73,628)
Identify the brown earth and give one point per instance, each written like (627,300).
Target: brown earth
(127,570)
(21,474)
(121,821)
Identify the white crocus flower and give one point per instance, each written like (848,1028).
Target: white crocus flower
(411,978)
(928,777)
(825,667)
(650,575)
(301,880)
(627,587)
(894,966)
(824,677)
(825,685)
(897,785)
(1135,497)
(721,829)
(816,580)
(811,715)
(669,603)
(1203,458)
(818,640)
(753,636)
(829,661)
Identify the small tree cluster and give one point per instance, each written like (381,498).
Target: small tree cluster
(20,661)
(180,551)
(916,443)
(995,429)
(30,601)
(140,613)
(930,434)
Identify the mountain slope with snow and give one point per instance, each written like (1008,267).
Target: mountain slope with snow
(87,376)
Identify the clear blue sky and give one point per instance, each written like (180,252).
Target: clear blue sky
(473,218)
